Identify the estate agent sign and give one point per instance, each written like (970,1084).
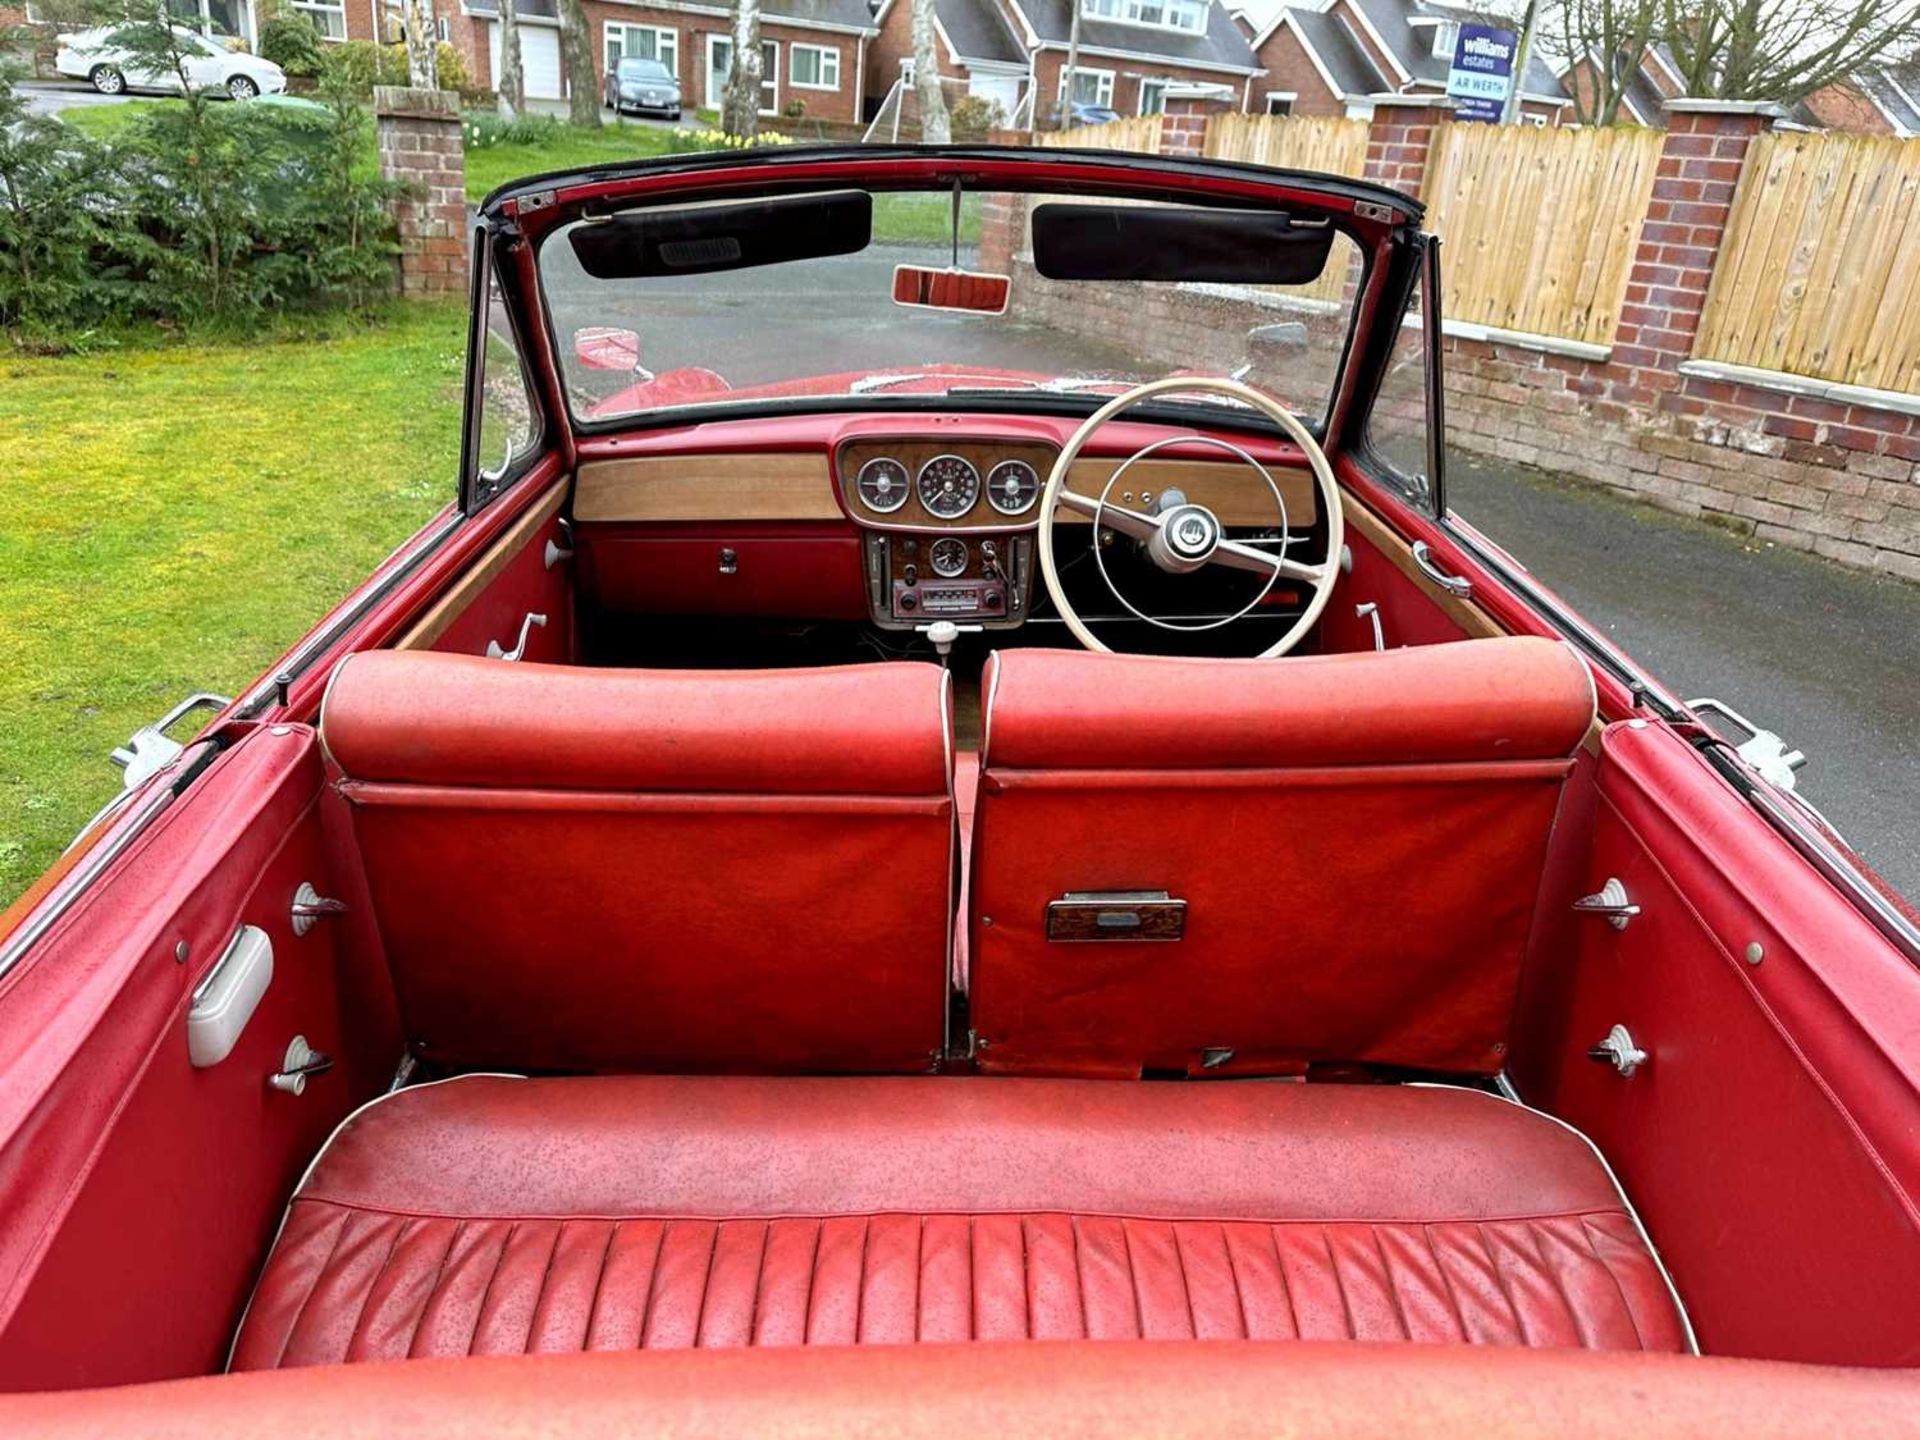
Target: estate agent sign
(1482,72)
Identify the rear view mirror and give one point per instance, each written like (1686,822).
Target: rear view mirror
(925,288)
(602,347)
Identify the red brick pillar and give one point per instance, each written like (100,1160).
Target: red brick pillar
(1003,223)
(1399,137)
(1183,125)
(1705,145)
(420,145)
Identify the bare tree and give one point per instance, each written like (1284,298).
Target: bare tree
(740,107)
(422,72)
(511,82)
(1607,41)
(1783,50)
(576,54)
(1064,116)
(934,126)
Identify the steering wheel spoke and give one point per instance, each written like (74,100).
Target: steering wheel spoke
(1183,536)
(1238,555)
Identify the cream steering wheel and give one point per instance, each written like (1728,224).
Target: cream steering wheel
(1181,536)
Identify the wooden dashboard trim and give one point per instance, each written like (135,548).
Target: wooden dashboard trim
(747,486)
(1244,501)
(449,607)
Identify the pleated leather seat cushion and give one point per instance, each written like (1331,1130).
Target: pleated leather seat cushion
(489,1215)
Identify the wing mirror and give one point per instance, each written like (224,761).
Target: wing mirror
(922,287)
(603,347)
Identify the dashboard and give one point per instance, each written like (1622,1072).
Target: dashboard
(900,520)
(950,525)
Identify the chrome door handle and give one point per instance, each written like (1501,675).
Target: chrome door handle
(1452,584)
(495,652)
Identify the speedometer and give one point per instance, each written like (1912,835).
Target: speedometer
(1012,486)
(882,485)
(948,486)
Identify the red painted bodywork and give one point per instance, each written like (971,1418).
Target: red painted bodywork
(1770,1143)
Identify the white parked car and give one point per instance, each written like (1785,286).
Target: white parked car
(93,55)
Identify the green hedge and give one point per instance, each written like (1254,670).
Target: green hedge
(192,211)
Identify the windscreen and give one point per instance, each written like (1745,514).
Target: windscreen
(791,302)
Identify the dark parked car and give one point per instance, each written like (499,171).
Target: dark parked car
(641,86)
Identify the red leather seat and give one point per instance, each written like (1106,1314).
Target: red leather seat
(579,869)
(489,1215)
(1359,840)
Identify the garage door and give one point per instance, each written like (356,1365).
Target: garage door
(1003,88)
(539,59)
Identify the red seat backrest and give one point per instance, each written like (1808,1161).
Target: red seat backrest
(1359,840)
(583,869)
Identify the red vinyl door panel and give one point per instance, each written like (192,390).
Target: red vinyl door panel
(138,1194)
(1772,1140)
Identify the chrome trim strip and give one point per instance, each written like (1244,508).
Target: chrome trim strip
(1838,871)
(226,1367)
(1680,1308)
(44,916)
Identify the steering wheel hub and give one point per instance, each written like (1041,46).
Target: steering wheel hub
(1186,539)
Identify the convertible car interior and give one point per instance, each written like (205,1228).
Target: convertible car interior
(843,847)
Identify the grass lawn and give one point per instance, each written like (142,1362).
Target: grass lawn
(173,518)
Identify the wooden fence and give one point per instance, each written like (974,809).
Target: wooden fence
(1327,144)
(1539,225)
(1142,134)
(1820,270)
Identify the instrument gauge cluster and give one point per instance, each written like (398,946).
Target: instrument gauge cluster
(961,483)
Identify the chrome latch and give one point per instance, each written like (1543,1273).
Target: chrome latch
(1619,1051)
(555,551)
(1611,901)
(494,652)
(148,751)
(729,560)
(309,906)
(1453,584)
(302,1061)
(1763,750)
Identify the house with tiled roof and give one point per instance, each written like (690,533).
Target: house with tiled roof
(1014,52)
(1333,57)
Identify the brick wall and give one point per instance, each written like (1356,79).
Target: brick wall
(1793,469)
(420,145)
(1399,138)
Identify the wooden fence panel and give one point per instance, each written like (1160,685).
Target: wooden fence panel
(1141,133)
(1820,271)
(1328,145)
(1539,225)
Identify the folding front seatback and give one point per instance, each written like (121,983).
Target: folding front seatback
(575,869)
(1256,866)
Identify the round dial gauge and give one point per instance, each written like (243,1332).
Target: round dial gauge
(883,485)
(1012,487)
(948,486)
(948,557)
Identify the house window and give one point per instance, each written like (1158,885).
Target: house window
(1280,102)
(643,42)
(1090,87)
(1188,15)
(1446,39)
(1153,95)
(813,67)
(330,19)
